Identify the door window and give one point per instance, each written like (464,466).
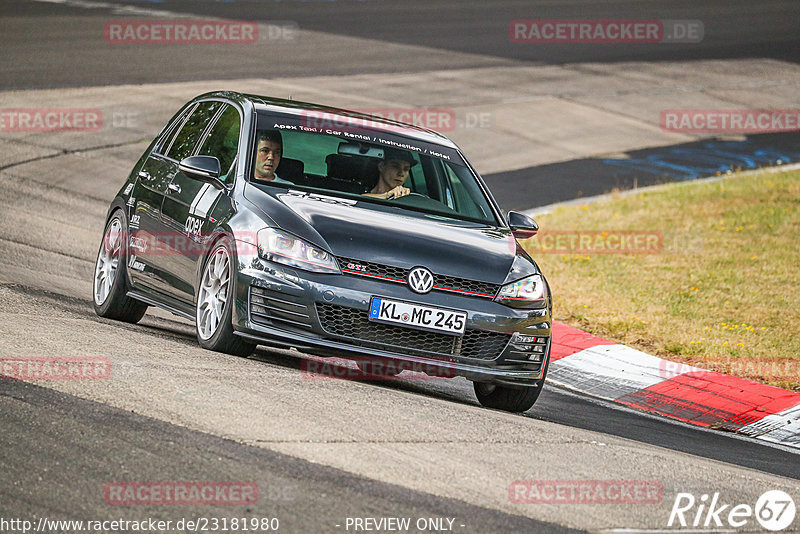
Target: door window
(190,133)
(222,141)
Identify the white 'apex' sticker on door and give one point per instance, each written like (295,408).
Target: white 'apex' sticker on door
(203,200)
(193,225)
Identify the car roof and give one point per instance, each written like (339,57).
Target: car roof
(295,107)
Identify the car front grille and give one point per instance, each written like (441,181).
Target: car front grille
(354,325)
(273,308)
(399,275)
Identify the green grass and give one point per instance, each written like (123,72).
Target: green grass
(722,294)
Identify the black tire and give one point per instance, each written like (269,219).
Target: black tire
(220,338)
(506,398)
(110,299)
(511,399)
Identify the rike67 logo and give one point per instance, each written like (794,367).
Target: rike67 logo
(774,511)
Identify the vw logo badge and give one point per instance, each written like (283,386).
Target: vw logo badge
(420,280)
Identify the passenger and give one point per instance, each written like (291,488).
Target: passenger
(269,148)
(393,171)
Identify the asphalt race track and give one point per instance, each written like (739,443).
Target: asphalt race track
(467,28)
(321,451)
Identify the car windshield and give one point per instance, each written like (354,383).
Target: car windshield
(347,161)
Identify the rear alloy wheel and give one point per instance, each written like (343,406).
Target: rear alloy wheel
(507,398)
(110,286)
(215,299)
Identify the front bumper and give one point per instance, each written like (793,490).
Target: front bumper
(326,315)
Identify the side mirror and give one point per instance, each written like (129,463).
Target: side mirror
(521,225)
(203,168)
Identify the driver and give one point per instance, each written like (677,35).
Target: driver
(393,171)
(269,149)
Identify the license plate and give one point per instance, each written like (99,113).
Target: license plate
(417,316)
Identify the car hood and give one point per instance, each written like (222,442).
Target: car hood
(396,237)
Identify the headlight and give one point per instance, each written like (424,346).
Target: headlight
(281,247)
(530,292)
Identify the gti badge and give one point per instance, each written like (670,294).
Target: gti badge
(420,280)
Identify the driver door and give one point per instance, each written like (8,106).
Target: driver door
(189,202)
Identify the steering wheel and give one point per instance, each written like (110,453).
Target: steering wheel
(410,195)
(419,200)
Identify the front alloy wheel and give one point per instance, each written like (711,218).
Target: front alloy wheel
(214,309)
